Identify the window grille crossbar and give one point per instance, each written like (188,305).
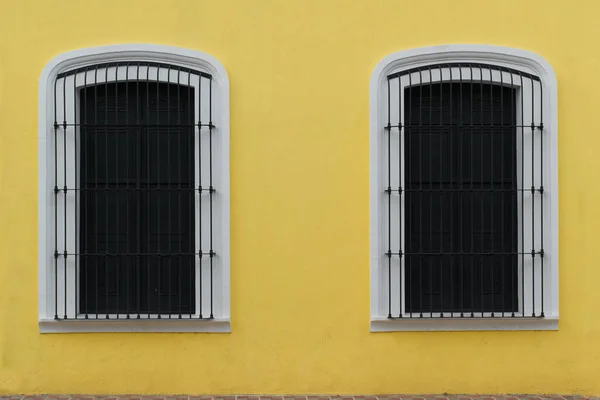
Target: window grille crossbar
(113,126)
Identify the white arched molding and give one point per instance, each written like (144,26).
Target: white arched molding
(514,59)
(141,53)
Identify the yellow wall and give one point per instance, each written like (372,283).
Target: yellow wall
(299,73)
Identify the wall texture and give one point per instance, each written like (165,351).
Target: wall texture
(299,73)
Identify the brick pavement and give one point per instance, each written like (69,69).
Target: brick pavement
(294,397)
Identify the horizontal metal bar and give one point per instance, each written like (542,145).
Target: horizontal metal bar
(160,125)
(486,67)
(474,127)
(132,188)
(463,189)
(450,254)
(129,254)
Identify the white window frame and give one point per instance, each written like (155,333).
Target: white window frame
(221,212)
(520,60)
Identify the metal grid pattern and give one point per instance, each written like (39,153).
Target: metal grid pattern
(464,185)
(133,192)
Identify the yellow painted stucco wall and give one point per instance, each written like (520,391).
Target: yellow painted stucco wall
(299,73)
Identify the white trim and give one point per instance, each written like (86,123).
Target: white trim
(131,52)
(512,58)
(216,325)
(548,323)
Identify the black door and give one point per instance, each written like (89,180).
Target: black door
(461,204)
(137,198)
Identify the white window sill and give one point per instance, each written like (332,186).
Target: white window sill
(134,325)
(383,324)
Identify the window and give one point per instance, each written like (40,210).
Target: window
(134,191)
(464,210)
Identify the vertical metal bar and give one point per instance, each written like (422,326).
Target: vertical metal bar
(503,187)
(461,194)
(65,189)
(493,256)
(409,199)
(400,194)
(138,217)
(127,287)
(532,200)
(211,190)
(127,187)
(143,119)
(514,242)
(541,190)
(106,187)
(169,188)
(389,197)
(179,257)
(190,195)
(84,231)
(522,196)
(148,195)
(56,126)
(117,191)
(441,133)
(430,195)
(452,217)
(472,197)
(75,194)
(96,186)
(420,193)
(158,187)
(200,192)
(481,135)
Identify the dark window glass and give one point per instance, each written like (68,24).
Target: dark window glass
(461,215)
(137,198)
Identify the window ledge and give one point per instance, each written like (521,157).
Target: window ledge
(382,324)
(49,325)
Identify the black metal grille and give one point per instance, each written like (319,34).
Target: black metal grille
(133,194)
(465,195)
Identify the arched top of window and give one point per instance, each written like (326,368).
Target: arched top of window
(144,53)
(135,62)
(469,63)
(517,60)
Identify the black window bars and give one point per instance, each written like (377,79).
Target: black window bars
(133,192)
(464,192)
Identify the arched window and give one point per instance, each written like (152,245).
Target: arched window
(464,190)
(134,191)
